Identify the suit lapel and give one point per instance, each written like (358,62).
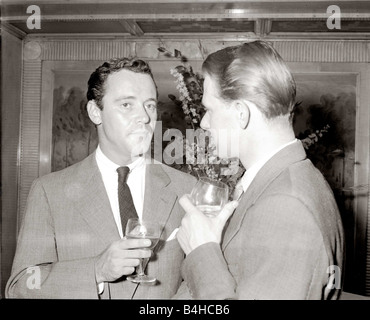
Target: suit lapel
(158,201)
(94,205)
(270,171)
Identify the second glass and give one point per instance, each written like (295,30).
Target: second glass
(210,196)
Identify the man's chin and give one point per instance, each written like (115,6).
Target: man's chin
(225,152)
(138,151)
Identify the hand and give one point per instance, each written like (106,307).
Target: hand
(197,229)
(120,259)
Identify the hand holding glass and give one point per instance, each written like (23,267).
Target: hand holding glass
(141,229)
(210,196)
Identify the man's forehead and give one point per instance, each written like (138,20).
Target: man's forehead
(207,82)
(132,81)
(210,88)
(126,75)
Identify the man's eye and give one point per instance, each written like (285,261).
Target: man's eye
(151,106)
(125,105)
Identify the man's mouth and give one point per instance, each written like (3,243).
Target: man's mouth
(141,132)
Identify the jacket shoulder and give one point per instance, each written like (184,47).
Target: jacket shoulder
(69,174)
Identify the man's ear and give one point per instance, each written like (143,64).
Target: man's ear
(94,112)
(242,112)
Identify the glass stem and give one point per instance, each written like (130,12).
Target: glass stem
(140,270)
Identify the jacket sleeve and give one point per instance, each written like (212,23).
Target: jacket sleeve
(36,271)
(274,255)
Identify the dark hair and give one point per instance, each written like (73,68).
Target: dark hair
(255,72)
(99,76)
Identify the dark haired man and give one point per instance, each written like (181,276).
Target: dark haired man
(285,239)
(72,235)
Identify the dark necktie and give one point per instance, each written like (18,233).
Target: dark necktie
(126,204)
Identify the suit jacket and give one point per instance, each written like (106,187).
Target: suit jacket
(281,241)
(69,221)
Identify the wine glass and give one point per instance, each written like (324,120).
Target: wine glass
(210,196)
(142,229)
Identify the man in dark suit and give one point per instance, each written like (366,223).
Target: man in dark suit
(71,243)
(285,239)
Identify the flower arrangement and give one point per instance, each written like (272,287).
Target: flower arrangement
(190,98)
(199,158)
(314,137)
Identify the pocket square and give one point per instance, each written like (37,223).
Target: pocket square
(173,235)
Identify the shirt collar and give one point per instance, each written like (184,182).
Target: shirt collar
(250,174)
(108,164)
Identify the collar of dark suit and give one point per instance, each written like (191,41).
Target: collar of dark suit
(278,163)
(274,166)
(95,199)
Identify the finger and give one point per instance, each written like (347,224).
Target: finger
(188,205)
(126,271)
(227,211)
(130,263)
(134,243)
(138,253)
(181,238)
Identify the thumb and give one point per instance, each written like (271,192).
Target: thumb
(227,211)
(187,205)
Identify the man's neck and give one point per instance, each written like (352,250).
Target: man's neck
(262,147)
(119,159)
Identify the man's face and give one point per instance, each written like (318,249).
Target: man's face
(128,117)
(221,120)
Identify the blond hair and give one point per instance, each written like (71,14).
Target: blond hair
(255,72)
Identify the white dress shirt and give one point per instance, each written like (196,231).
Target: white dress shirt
(135,181)
(251,173)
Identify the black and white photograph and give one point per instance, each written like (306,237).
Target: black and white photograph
(175,151)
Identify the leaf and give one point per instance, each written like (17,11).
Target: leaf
(181,69)
(178,54)
(172,97)
(184,59)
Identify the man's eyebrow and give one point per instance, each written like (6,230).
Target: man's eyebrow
(125,98)
(133,98)
(152,99)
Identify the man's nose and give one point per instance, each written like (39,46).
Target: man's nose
(143,115)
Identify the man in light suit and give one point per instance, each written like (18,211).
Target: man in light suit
(71,244)
(285,238)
